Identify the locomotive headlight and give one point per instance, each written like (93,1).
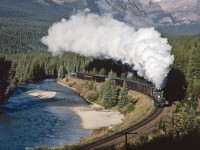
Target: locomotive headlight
(158,96)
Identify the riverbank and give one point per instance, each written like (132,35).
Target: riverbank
(94,116)
(143,107)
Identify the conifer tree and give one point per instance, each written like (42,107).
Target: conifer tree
(102,71)
(193,66)
(110,91)
(196,90)
(123,75)
(61,73)
(191,120)
(101,91)
(123,96)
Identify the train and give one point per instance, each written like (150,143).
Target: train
(148,89)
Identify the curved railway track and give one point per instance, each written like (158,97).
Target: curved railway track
(120,133)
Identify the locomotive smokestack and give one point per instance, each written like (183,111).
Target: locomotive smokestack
(94,35)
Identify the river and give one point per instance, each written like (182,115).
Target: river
(28,121)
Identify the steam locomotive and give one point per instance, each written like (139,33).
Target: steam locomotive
(157,95)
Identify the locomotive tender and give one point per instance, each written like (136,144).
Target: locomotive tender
(157,95)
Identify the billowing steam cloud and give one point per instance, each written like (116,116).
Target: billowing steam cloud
(94,35)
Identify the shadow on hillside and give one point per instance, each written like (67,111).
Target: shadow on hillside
(176,86)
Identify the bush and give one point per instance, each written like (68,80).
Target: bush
(129,107)
(92,96)
(144,138)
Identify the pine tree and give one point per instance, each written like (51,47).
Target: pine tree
(102,71)
(95,86)
(123,96)
(123,75)
(193,69)
(101,91)
(196,90)
(191,120)
(193,74)
(108,91)
(61,73)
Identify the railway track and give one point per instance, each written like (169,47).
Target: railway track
(115,135)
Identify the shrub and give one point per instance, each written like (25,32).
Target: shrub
(129,107)
(144,138)
(92,96)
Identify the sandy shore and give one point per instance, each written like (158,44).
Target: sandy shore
(41,93)
(94,116)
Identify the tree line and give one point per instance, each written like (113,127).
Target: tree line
(186,50)
(7,78)
(41,64)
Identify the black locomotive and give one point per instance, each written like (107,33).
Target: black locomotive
(157,95)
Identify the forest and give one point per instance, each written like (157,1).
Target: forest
(22,51)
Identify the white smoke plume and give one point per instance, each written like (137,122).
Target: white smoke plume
(94,35)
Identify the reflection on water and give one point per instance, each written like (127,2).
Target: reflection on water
(31,121)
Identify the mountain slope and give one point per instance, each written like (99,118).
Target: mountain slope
(162,11)
(35,9)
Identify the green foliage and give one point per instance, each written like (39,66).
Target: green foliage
(193,69)
(61,72)
(21,36)
(95,86)
(91,85)
(108,91)
(7,80)
(186,50)
(123,75)
(94,71)
(103,71)
(191,120)
(39,65)
(144,138)
(93,96)
(196,90)
(86,82)
(36,10)
(129,108)
(123,96)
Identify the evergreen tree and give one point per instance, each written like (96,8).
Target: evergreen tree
(95,86)
(196,90)
(4,77)
(123,75)
(101,91)
(91,85)
(102,71)
(191,120)
(193,66)
(94,71)
(123,96)
(110,91)
(61,73)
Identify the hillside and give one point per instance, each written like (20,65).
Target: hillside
(161,11)
(34,10)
